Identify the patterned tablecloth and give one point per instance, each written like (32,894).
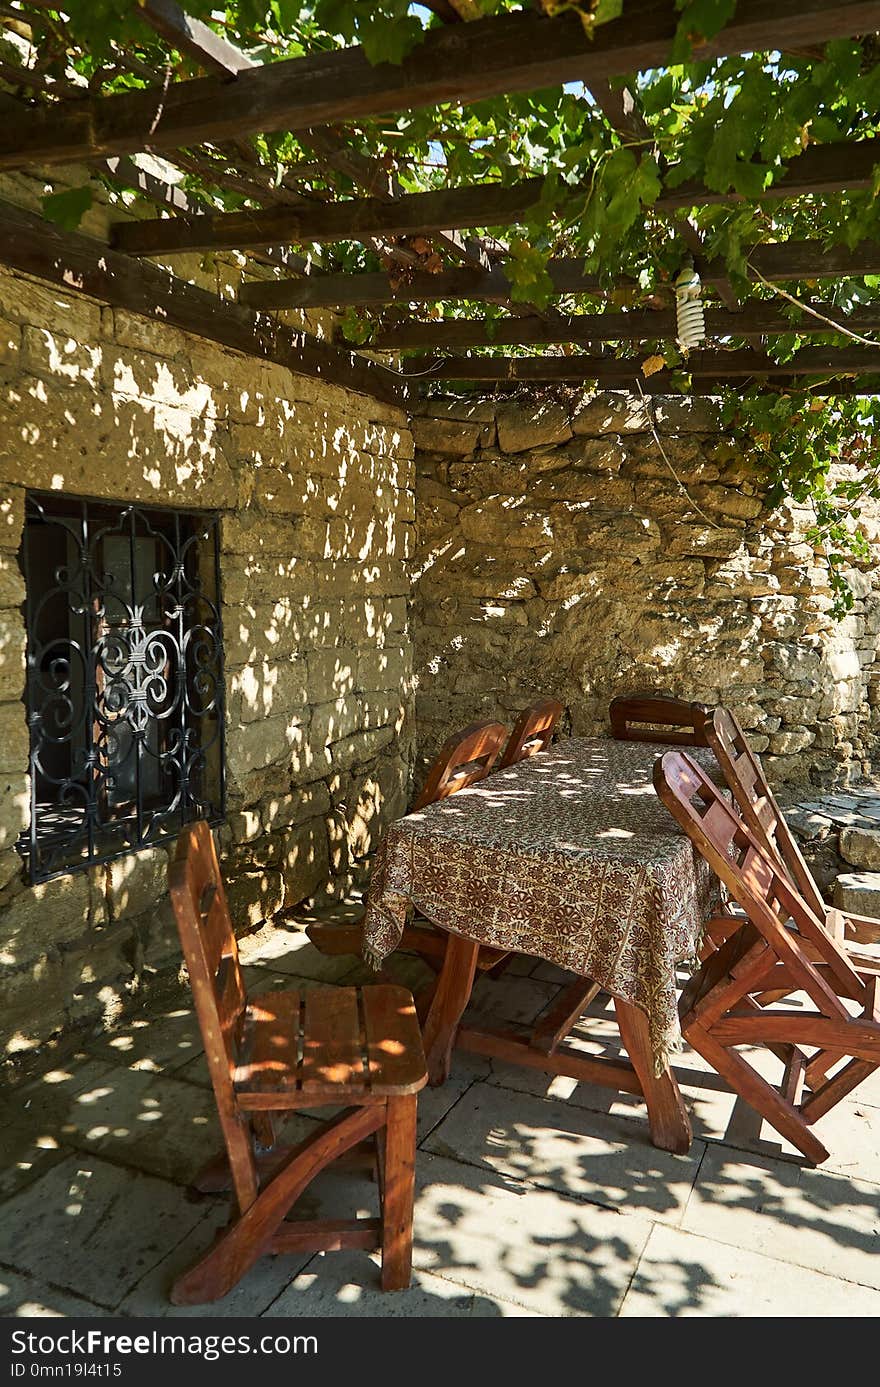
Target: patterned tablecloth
(569,857)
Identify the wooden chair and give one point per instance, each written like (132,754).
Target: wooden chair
(780,946)
(532,731)
(658,718)
(464,759)
(757,804)
(359,1047)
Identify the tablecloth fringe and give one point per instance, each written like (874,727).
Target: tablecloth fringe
(372,958)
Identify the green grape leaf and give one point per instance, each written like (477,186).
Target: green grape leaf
(67,209)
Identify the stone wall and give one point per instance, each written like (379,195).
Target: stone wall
(315,490)
(559,552)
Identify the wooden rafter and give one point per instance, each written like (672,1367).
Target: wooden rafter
(461,62)
(756,319)
(194,38)
(820,169)
(83,265)
(219,55)
(789,260)
(729,366)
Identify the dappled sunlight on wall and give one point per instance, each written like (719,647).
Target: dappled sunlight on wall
(559,553)
(315,490)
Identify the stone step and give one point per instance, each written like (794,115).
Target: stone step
(858,893)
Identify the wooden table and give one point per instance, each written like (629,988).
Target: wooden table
(568,857)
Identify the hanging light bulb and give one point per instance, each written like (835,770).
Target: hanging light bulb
(689,308)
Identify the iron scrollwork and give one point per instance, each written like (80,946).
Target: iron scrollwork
(125,678)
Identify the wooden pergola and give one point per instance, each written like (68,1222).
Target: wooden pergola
(205,126)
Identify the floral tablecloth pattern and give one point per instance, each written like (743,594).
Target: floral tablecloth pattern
(569,857)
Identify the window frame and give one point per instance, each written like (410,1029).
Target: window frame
(141,641)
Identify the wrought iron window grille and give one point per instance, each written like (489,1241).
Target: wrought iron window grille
(125,690)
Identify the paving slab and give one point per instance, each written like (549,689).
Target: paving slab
(30,1140)
(89,1227)
(523,1244)
(21,1297)
(347,1284)
(291,951)
(161,1042)
(149,1121)
(587,1155)
(824,1222)
(683,1275)
(253,1294)
(516,999)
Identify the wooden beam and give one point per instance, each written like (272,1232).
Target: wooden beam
(821,168)
(194,38)
(82,265)
(787,261)
(219,55)
(734,365)
(754,320)
(463,62)
(374,289)
(665,383)
(792,260)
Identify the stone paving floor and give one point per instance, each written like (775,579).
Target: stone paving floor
(536,1197)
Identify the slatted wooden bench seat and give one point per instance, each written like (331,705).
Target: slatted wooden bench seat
(354,1046)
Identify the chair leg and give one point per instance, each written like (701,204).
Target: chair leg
(757,1093)
(398,1193)
(242,1244)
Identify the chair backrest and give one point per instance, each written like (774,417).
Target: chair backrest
(463,759)
(199,902)
(532,731)
(748,783)
(757,881)
(652,717)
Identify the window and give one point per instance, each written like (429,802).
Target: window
(125,678)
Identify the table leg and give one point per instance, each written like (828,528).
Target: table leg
(667,1114)
(450,999)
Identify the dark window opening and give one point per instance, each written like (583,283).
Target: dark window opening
(124,678)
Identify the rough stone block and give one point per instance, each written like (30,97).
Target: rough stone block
(613,411)
(522,426)
(447,435)
(137,882)
(12,592)
(858,893)
(388,668)
(47,353)
(684,414)
(32,1004)
(270,689)
(38,918)
(254,897)
(843,664)
(860,847)
(10,342)
(14,738)
(14,808)
(361,747)
(703,541)
(282,811)
(305,860)
(162,340)
(790,741)
(258,744)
